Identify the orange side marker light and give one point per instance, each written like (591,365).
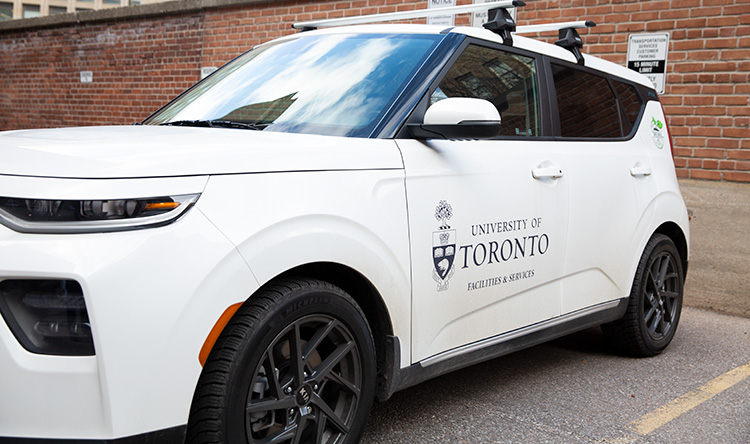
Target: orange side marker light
(216,331)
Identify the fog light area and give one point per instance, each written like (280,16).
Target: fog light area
(47,316)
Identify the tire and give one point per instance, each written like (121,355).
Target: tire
(655,302)
(296,364)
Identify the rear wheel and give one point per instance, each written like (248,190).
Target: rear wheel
(655,301)
(295,365)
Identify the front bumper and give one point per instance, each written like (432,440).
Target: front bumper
(152,296)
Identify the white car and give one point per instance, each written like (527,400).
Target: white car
(331,217)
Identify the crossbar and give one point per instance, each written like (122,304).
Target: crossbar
(406,15)
(554,26)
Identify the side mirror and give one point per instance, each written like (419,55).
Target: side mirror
(458,118)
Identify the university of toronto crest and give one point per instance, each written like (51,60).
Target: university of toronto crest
(443,247)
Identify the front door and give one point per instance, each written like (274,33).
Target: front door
(487,218)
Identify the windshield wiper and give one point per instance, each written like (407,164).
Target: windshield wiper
(259,126)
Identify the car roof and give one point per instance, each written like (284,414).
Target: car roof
(519,41)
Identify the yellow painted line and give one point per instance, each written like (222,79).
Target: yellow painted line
(666,413)
(689,401)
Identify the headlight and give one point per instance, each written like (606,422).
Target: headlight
(91,216)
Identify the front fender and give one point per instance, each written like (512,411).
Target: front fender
(357,219)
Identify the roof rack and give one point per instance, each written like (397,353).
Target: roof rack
(567,34)
(500,20)
(501,23)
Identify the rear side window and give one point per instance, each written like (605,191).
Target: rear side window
(587,105)
(508,81)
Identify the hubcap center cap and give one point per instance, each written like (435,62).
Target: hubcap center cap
(304,394)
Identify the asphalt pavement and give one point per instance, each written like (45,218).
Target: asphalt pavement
(577,390)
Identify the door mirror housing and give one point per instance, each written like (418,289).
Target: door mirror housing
(458,118)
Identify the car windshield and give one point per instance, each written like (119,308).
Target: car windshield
(337,84)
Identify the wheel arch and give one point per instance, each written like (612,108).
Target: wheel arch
(674,232)
(369,300)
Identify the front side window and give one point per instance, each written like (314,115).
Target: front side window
(508,81)
(339,84)
(587,105)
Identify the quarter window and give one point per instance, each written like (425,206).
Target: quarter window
(630,101)
(508,81)
(586,103)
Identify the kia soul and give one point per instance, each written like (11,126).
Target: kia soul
(331,217)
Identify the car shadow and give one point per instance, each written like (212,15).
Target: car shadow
(412,409)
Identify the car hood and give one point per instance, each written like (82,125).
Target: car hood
(162,151)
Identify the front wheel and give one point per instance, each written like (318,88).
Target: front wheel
(295,365)
(655,301)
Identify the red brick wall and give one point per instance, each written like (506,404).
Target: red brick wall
(137,66)
(140,63)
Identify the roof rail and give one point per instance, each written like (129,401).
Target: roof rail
(406,15)
(568,36)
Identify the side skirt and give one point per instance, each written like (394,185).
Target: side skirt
(175,435)
(397,378)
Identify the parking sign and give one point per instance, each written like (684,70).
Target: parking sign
(647,54)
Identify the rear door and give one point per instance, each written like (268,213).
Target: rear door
(487,238)
(609,174)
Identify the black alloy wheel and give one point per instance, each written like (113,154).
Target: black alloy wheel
(295,365)
(655,303)
(307,385)
(662,296)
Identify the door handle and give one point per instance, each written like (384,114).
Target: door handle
(640,170)
(548,172)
